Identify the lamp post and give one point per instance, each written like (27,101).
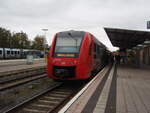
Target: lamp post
(44,41)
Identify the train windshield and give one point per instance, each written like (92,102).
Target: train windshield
(67,46)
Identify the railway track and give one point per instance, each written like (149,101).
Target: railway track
(10,74)
(20,81)
(47,101)
(12,80)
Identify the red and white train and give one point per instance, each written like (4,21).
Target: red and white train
(75,55)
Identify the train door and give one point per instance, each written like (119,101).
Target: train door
(12,55)
(7,53)
(18,54)
(97,57)
(1,53)
(90,55)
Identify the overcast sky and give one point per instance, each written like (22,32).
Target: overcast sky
(59,15)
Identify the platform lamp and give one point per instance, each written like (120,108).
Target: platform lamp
(146,42)
(140,46)
(44,42)
(135,48)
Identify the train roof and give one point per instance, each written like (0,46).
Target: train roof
(72,32)
(7,49)
(99,42)
(15,49)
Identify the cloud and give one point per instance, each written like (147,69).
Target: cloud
(59,15)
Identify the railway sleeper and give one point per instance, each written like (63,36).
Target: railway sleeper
(27,110)
(53,98)
(57,95)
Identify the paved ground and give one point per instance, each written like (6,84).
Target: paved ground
(18,61)
(125,91)
(133,90)
(19,65)
(81,102)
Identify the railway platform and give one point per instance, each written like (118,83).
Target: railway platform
(123,89)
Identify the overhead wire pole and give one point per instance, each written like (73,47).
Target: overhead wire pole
(44,43)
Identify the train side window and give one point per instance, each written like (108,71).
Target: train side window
(98,51)
(95,51)
(8,52)
(95,55)
(0,51)
(94,47)
(90,49)
(15,52)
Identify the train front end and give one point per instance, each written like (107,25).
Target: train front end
(66,57)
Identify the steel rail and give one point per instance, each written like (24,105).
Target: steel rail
(12,108)
(21,82)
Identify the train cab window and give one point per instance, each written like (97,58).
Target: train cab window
(18,52)
(67,45)
(0,51)
(15,52)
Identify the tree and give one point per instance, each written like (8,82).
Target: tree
(5,38)
(38,42)
(20,40)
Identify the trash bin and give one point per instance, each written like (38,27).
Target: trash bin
(29,59)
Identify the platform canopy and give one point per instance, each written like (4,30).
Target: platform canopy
(126,39)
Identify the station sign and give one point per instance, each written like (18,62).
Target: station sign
(148,24)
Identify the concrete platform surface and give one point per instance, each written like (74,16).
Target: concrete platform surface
(77,104)
(18,62)
(133,90)
(20,65)
(126,90)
